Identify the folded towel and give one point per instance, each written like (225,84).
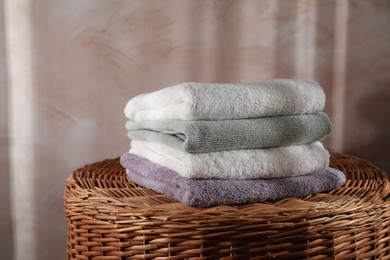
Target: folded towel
(197,101)
(211,192)
(237,164)
(223,135)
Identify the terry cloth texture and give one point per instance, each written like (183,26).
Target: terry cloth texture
(197,101)
(211,192)
(237,164)
(223,135)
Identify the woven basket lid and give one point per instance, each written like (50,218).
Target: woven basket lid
(110,217)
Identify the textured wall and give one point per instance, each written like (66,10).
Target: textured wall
(69,67)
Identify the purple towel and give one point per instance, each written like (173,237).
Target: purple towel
(211,192)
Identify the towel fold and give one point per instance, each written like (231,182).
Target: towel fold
(197,101)
(237,164)
(211,192)
(223,135)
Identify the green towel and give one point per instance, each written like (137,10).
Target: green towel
(213,136)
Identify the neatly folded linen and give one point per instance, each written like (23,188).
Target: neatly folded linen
(202,136)
(197,101)
(211,192)
(237,164)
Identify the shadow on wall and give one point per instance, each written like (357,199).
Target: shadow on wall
(367,96)
(374,111)
(6,239)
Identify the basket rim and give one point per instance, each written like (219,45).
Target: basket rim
(152,202)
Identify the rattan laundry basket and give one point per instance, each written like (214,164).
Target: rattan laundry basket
(109,217)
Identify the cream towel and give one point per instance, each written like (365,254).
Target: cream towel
(212,192)
(237,164)
(197,101)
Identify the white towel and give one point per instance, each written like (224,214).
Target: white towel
(237,164)
(196,101)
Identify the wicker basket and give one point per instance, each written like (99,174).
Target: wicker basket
(109,217)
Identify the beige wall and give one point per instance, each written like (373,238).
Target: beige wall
(68,68)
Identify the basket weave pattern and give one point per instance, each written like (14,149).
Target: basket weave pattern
(109,217)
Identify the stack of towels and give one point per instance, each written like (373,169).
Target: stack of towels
(211,144)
